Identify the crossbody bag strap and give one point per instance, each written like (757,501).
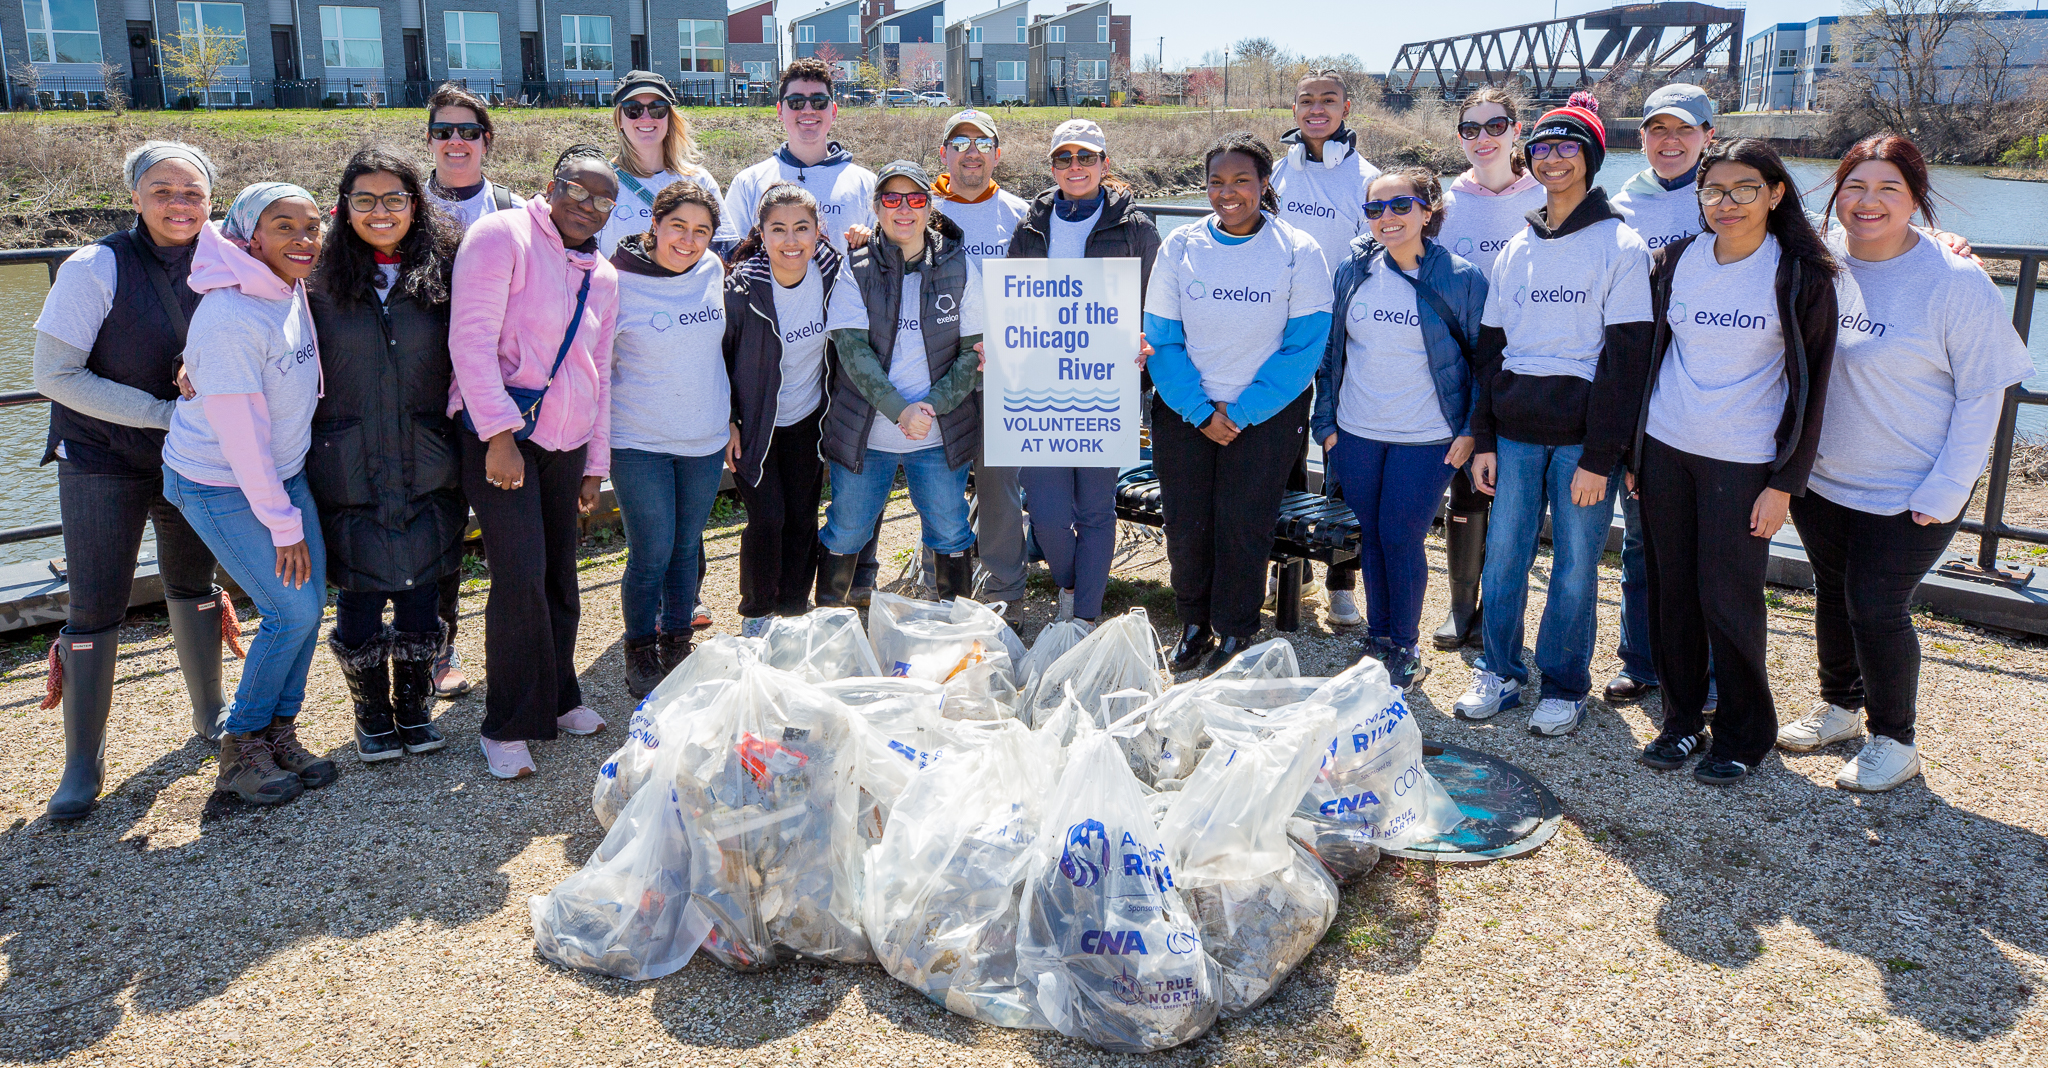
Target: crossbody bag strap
(576,321)
(1439,306)
(633,183)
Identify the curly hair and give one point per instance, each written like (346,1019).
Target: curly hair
(348,265)
(807,69)
(1247,144)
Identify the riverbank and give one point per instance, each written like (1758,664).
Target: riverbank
(62,179)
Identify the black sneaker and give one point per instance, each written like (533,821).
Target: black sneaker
(1721,772)
(1668,754)
(1404,668)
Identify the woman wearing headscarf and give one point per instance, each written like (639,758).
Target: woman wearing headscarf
(108,344)
(233,464)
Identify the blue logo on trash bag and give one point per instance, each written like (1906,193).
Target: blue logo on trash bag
(1182,942)
(1086,854)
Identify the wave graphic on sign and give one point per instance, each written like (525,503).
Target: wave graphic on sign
(1056,401)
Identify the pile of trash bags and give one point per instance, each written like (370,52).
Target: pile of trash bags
(1048,838)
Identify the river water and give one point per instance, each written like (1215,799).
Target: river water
(1980,208)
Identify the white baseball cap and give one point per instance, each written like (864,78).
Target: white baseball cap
(1080,132)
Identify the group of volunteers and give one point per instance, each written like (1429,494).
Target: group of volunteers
(367,368)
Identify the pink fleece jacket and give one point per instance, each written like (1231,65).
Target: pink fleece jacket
(514,290)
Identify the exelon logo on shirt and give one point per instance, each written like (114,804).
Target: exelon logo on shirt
(1737,319)
(1197,290)
(810,329)
(1464,246)
(1550,296)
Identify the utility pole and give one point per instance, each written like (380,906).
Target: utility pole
(1226,79)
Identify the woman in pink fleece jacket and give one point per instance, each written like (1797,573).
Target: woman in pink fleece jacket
(517,282)
(233,467)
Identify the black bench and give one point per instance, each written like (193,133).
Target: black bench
(1310,527)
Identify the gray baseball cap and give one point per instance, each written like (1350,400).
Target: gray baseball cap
(904,168)
(1683,100)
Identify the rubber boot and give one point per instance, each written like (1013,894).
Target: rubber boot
(367,669)
(413,657)
(956,575)
(195,630)
(1465,552)
(836,578)
(88,667)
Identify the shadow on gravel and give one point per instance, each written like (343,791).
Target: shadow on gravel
(1923,890)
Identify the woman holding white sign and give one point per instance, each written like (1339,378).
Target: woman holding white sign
(905,341)
(1238,325)
(1087,214)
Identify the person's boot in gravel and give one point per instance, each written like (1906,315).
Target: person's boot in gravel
(196,632)
(449,680)
(85,664)
(290,754)
(643,665)
(675,648)
(1464,558)
(412,690)
(248,770)
(955,575)
(367,670)
(837,579)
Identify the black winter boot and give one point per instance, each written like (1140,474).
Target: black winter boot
(836,578)
(367,668)
(675,648)
(956,575)
(1465,552)
(643,665)
(413,657)
(195,631)
(88,679)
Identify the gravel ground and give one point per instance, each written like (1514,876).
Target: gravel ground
(383,920)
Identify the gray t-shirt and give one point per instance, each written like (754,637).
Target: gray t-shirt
(1234,300)
(1478,227)
(1721,390)
(1325,198)
(1069,240)
(1555,297)
(800,313)
(1388,392)
(669,389)
(1658,215)
(244,344)
(1918,333)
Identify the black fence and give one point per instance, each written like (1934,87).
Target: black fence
(91,94)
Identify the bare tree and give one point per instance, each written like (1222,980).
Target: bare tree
(1950,73)
(198,59)
(114,85)
(29,77)
(1895,50)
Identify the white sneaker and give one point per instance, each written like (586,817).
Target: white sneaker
(1344,609)
(1555,716)
(1825,724)
(754,628)
(1881,764)
(1272,590)
(1066,606)
(1488,694)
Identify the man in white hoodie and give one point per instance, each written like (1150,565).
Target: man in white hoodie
(810,158)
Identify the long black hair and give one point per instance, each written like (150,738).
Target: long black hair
(1247,144)
(348,265)
(1787,222)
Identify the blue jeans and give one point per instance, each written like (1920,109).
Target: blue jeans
(664,501)
(1529,477)
(1394,490)
(274,676)
(938,492)
(1634,649)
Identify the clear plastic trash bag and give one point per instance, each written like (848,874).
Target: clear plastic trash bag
(765,778)
(821,645)
(628,913)
(1258,930)
(1107,943)
(1119,655)
(1176,722)
(1373,790)
(1051,644)
(901,728)
(1271,659)
(944,886)
(960,644)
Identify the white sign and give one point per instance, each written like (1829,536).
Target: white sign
(1061,385)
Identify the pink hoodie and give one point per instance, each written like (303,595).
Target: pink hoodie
(1466,184)
(514,290)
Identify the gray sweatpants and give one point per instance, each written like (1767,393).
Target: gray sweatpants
(998,516)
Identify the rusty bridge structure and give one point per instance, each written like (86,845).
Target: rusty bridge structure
(1546,60)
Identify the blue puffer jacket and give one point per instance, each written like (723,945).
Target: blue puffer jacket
(1463,288)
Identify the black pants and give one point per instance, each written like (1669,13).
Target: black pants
(1707,596)
(1865,569)
(779,545)
(1220,503)
(531,614)
(1342,576)
(359,614)
(103,517)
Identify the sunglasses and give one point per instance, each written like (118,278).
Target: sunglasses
(1564,149)
(1062,160)
(814,101)
(1493,127)
(584,196)
(442,131)
(963,142)
(1398,205)
(916,201)
(365,203)
(1741,194)
(653,109)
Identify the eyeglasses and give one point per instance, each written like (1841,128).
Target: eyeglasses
(1564,149)
(1741,194)
(1494,127)
(1398,205)
(916,201)
(442,131)
(963,142)
(584,196)
(365,203)
(815,101)
(653,109)
(183,200)
(1062,160)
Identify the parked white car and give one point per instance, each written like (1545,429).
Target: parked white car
(935,100)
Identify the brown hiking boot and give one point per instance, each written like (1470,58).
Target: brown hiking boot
(294,757)
(248,769)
